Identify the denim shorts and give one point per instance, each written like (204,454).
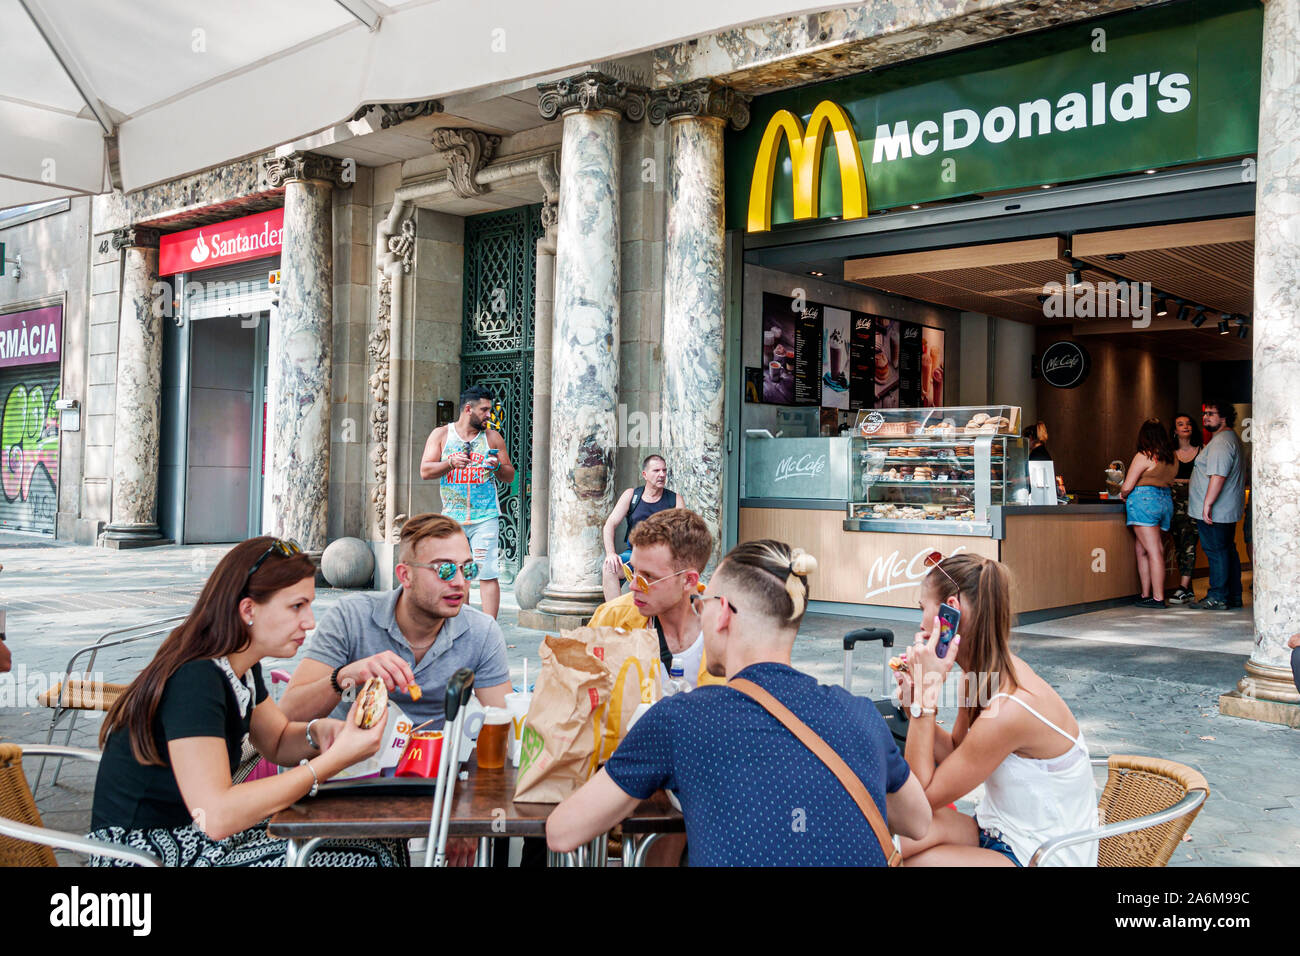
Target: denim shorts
(483,542)
(1149,507)
(992,840)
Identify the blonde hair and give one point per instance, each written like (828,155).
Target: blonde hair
(419,527)
(773,576)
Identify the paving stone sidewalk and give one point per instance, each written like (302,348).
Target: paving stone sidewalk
(1133,687)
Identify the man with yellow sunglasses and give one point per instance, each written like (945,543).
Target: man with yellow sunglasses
(670,550)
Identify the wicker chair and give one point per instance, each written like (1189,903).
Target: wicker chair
(78,692)
(1146,808)
(24,839)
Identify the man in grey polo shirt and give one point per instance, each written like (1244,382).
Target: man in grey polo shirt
(420,633)
(1216,499)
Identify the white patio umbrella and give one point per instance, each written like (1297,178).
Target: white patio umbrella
(104,94)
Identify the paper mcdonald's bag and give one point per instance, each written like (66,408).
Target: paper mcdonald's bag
(592,681)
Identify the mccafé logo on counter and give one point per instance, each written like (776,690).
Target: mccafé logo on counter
(221,244)
(805,466)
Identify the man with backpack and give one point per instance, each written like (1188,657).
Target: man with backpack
(635,505)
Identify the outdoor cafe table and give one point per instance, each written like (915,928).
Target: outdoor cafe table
(482,807)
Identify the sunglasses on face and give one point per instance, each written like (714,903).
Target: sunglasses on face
(638,582)
(446,570)
(285,549)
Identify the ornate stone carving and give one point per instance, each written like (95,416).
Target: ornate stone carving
(294,166)
(590,91)
(466,152)
(395,113)
(700,98)
(138,236)
(403,246)
(548,172)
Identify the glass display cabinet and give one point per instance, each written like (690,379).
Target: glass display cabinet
(932,469)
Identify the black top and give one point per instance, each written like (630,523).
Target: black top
(1185,469)
(197,701)
(1040,453)
(642,509)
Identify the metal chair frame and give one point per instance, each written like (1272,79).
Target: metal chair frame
(147,629)
(61,839)
(1188,804)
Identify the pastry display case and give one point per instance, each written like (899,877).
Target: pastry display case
(933,469)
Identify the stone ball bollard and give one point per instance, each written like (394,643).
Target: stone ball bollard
(348,563)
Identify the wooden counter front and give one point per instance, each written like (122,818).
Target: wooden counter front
(1056,560)
(1060,560)
(857,567)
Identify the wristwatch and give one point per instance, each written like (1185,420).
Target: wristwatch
(334,680)
(916,707)
(311,741)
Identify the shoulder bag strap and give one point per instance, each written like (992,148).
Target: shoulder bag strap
(822,750)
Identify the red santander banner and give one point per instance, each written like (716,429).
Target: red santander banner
(238,240)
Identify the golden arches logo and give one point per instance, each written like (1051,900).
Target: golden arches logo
(607,721)
(805,165)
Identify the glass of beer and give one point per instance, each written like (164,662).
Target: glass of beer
(492,738)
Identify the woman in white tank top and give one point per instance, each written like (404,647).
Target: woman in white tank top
(1013,734)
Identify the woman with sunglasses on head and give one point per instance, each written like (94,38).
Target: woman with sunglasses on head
(1013,734)
(172,741)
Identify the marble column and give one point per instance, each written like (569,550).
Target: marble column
(584,383)
(694,369)
(533,577)
(1266,692)
(137,408)
(301,334)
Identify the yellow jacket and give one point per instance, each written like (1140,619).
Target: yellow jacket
(622,612)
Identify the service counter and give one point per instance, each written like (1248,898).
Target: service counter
(1061,557)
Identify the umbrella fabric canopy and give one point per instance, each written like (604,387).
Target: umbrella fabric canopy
(104,94)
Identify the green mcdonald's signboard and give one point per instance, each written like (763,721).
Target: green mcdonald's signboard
(1153,88)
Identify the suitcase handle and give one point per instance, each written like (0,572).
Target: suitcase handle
(459,688)
(882,634)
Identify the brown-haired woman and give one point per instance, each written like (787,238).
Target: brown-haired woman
(1149,506)
(1013,734)
(172,741)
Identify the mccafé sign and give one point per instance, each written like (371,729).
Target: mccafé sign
(1136,91)
(223,243)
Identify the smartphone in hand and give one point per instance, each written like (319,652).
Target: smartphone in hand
(949,617)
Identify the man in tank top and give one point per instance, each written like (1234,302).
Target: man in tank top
(635,505)
(469,458)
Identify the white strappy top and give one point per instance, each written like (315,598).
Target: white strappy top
(1029,802)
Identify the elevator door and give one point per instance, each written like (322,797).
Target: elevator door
(220,439)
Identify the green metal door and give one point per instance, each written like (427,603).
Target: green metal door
(497,348)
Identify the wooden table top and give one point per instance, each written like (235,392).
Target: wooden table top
(482,807)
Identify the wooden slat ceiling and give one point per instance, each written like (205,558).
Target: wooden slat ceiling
(1208,263)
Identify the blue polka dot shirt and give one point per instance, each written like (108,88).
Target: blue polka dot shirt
(751,793)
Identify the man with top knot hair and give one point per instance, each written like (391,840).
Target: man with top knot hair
(751,792)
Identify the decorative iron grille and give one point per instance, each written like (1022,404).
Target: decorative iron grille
(497,349)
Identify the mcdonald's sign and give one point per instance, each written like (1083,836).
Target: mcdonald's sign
(805,159)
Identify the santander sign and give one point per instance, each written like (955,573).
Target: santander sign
(238,240)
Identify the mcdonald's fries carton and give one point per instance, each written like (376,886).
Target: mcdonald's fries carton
(591,683)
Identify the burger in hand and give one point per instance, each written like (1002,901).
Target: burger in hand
(372,703)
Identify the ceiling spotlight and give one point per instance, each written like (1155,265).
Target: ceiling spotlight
(1045,186)
(1150,171)
(817,274)
(1243,331)
(1072,278)
(1183,310)
(1115,257)
(1223,326)
(1162,307)
(1199,318)
(916,205)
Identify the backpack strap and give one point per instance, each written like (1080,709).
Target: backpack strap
(636,500)
(834,762)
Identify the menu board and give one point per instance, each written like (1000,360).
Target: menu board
(862,361)
(808,356)
(792,351)
(835,357)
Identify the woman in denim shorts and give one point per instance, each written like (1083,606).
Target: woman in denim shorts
(1149,506)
